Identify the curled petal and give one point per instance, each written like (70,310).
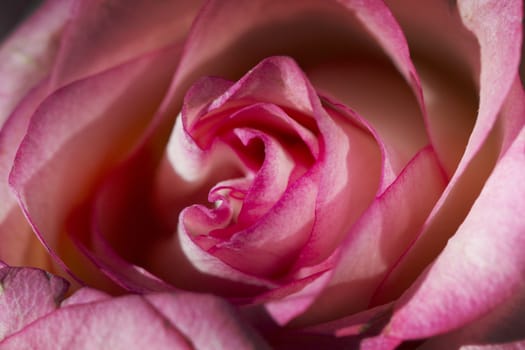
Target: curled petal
(57,161)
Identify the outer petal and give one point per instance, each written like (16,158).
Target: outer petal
(25,58)
(499,34)
(446,56)
(19,244)
(77,134)
(27,294)
(28,54)
(481,266)
(207,321)
(124,323)
(158,321)
(104,33)
(501,329)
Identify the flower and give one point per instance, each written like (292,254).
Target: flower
(343,173)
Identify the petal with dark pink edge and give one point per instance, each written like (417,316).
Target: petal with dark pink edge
(500,95)
(210,265)
(381,235)
(383,101)
(19,246)
(77,134)
(385,229)
(104,33)
(269,247)
(446,55)
(27,294)
(498,28)
(350,171)
(378,19)
(28,54)
(480,267)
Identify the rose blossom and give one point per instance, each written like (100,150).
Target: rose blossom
(263,173)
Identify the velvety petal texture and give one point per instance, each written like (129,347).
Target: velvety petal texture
(27,294)
(32,318)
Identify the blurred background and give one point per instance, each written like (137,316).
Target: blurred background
(12,12)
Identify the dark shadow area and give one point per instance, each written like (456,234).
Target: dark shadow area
(13,12)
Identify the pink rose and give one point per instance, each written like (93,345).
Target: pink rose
(336,173)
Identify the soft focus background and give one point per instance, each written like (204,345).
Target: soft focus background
(12,12)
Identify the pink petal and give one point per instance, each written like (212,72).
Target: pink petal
(478,270)
(219,25)
(102,34)
(19,246)
(229,38)
(85,295)
(498,28)
(270,246)
(471,174)
(207,321)
(350,171)
(386,228)
(377,92)
(58,148)
(27,294)
(500,329)
(28,54)
(210,265)
(90,319)
(128,322)
(25,58)
(446,56)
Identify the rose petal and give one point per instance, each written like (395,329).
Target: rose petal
(103,34)
(25,58)
(124,323)
(90,319)
(207,321)
(478,270)
(20,246)
(58,148)
(501,329)
(27,294)
(377,92)
(29,52)
(385,228)
(469,178)
(85,295)
(446,56)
